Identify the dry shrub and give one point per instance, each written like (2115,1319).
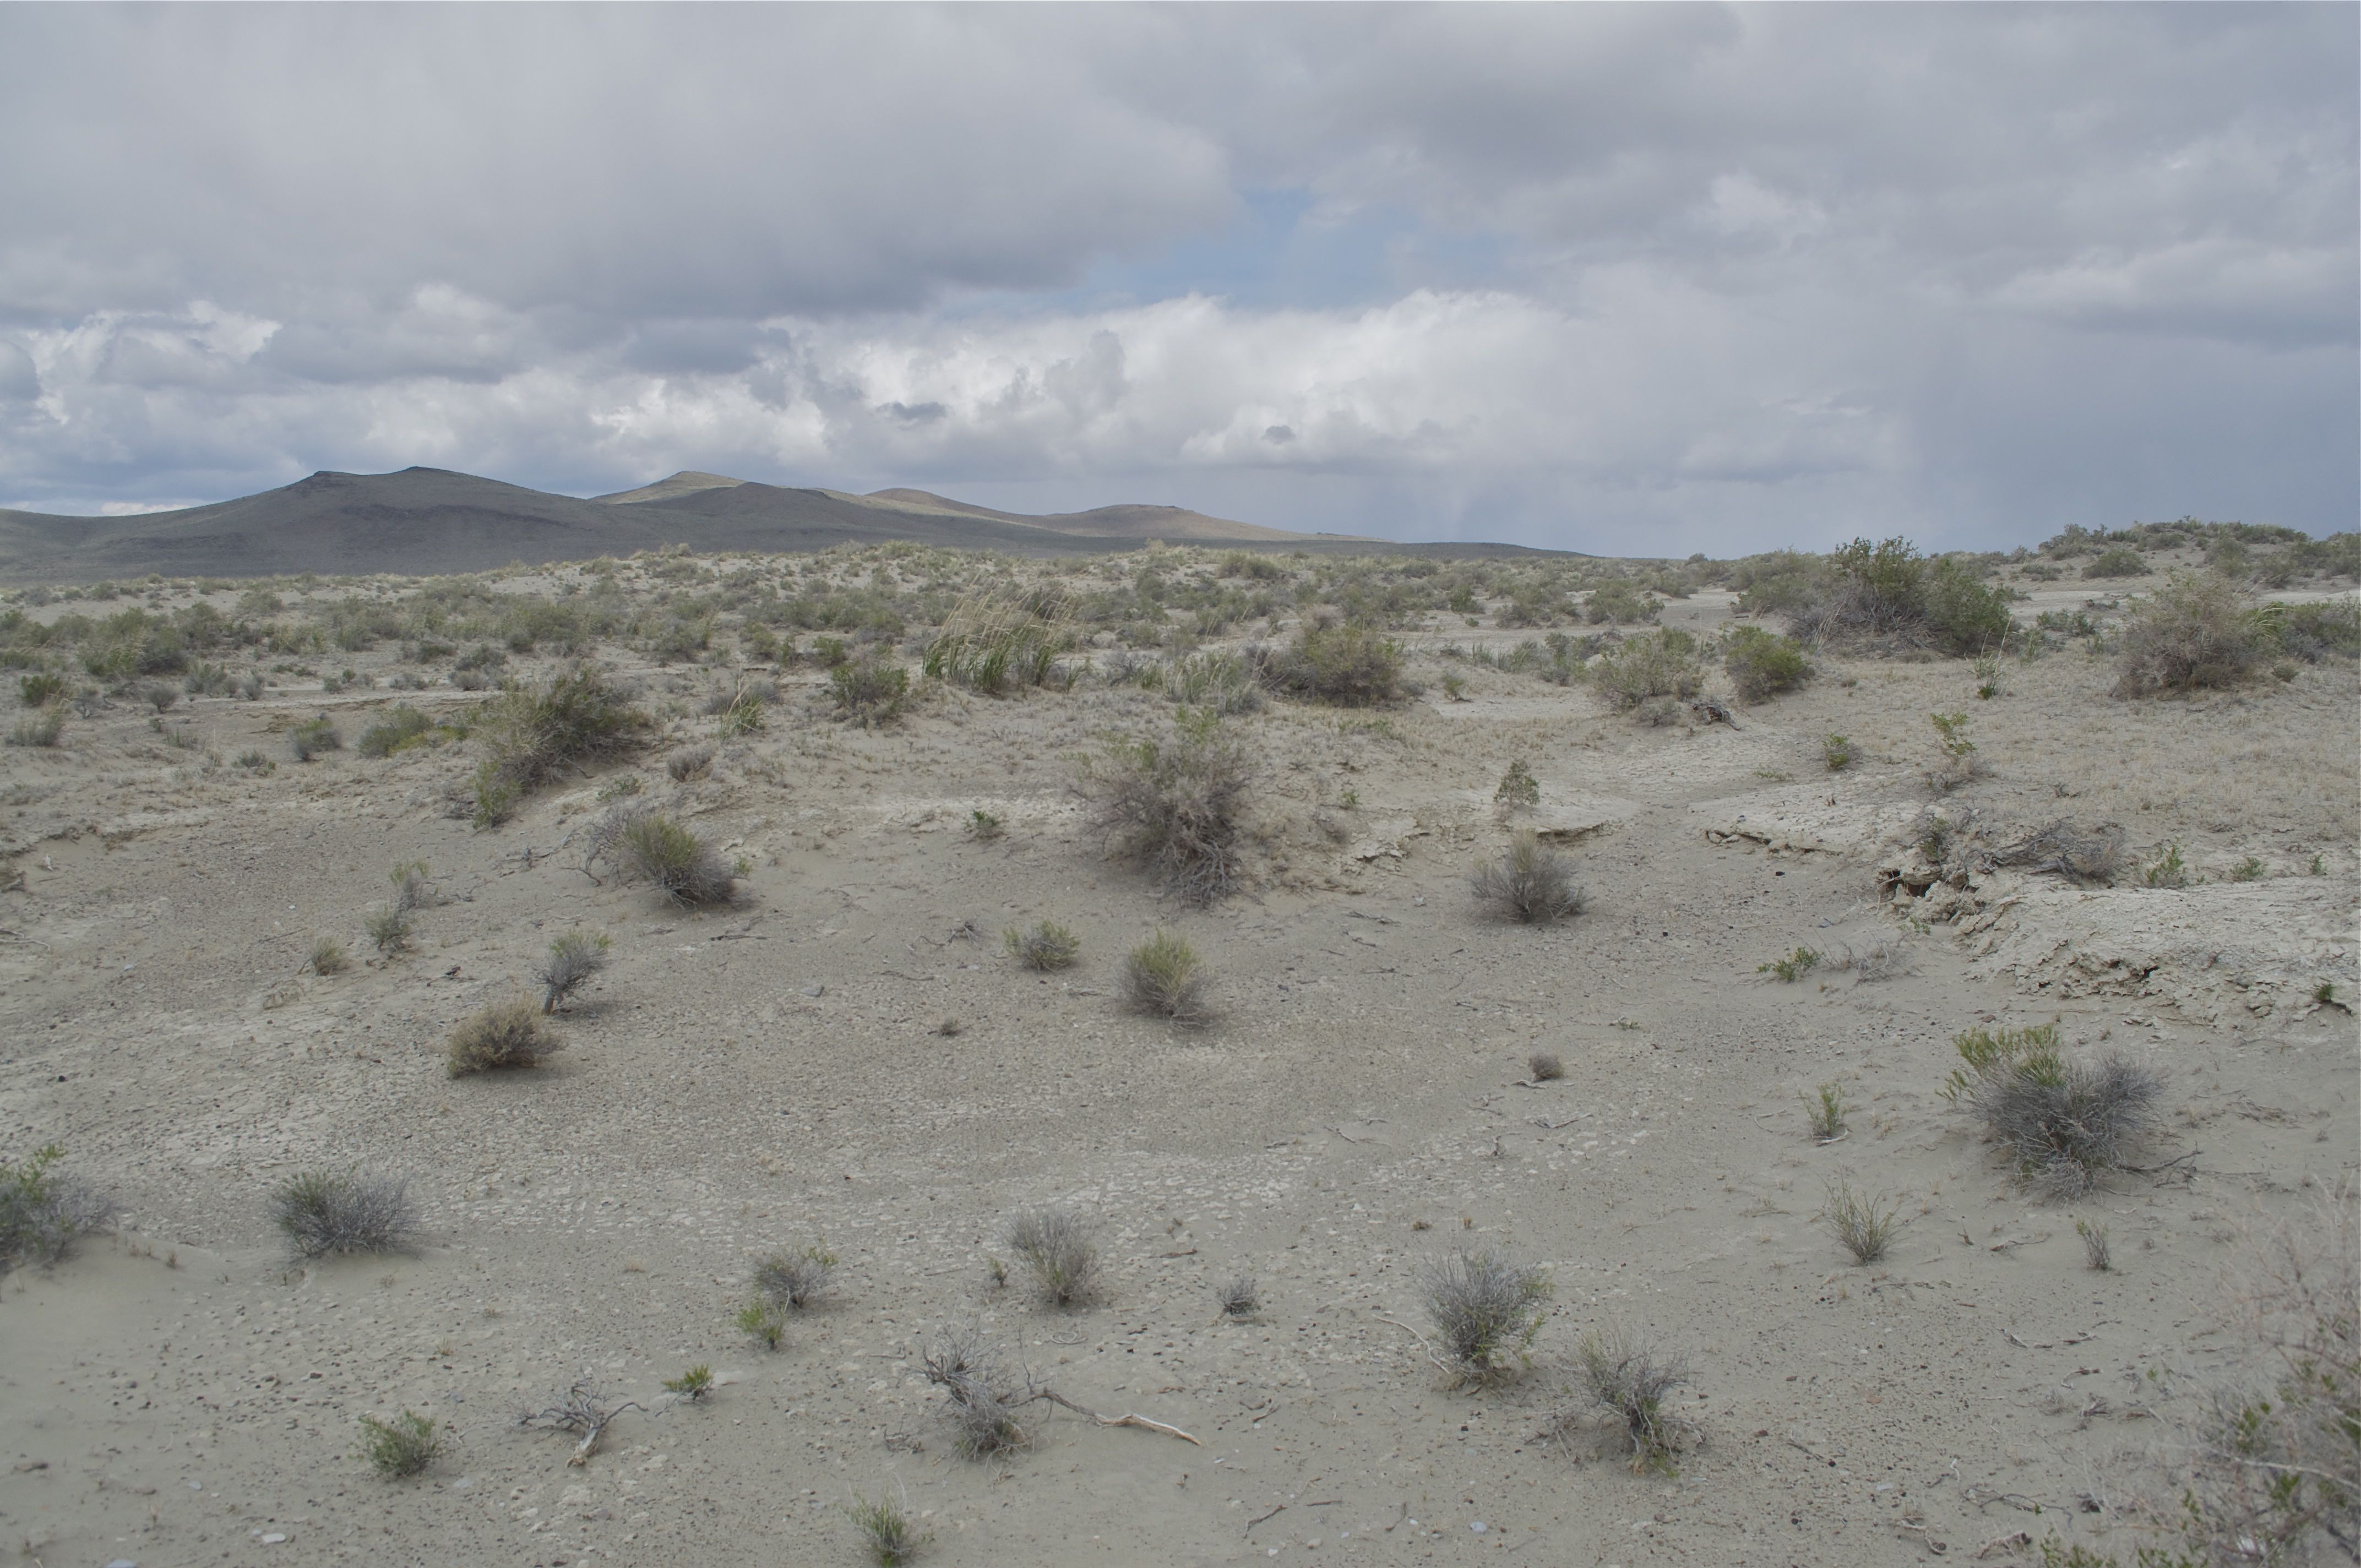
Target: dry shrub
(2062,1121)
(42,1213)
(1544,1066)
(1173,805)
(1485,1308)
(652,848)
(572,959)
(528,737)
(1048,945)
(2275,1469)
(795,1278)
(2198,630)
(1533,882)
(324,1212)
(1650,668)
(314,736)
(504,1035)
(1162,977)
(1238,1297)
(689,763)
(1057,1250)
(1627,1380)
(2091,855)
(984,1397)
(869,691)
(1352,666)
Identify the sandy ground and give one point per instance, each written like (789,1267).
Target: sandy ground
(772,1074)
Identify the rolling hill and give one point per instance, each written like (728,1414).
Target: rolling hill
(429,522)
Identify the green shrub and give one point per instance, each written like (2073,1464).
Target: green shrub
(886,1529)
(403,1446)
(1864,1222)
(1618,602)
(1792,968)
(692,1385)
(1517,787)
(388,926)
(1656,664)
(528,737)
(2116,561)
(1763,665)
(1888,592)
(998,639)
(43,728)
(1162,977)
(1351,667)
(652,848)
(2199,630)
(2312,631)
(764,1321)
(869,691)
(398,728)
(1837,751)
(37,690)
(314,736)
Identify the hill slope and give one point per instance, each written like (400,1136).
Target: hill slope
(428,521)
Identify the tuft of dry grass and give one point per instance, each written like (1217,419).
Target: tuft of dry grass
(504,1035)
(1864,1222)
(1622,1377)
(1057,1250)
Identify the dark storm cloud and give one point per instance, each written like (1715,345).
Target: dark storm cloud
(1564,274)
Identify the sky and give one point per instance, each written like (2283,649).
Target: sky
(1631,280)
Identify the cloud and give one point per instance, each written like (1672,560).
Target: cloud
(1586,276)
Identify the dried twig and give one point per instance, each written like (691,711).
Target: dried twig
(1125,1419)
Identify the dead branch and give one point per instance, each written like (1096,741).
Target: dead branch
(581,1410)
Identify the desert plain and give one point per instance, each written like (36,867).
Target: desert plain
(845,1055)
